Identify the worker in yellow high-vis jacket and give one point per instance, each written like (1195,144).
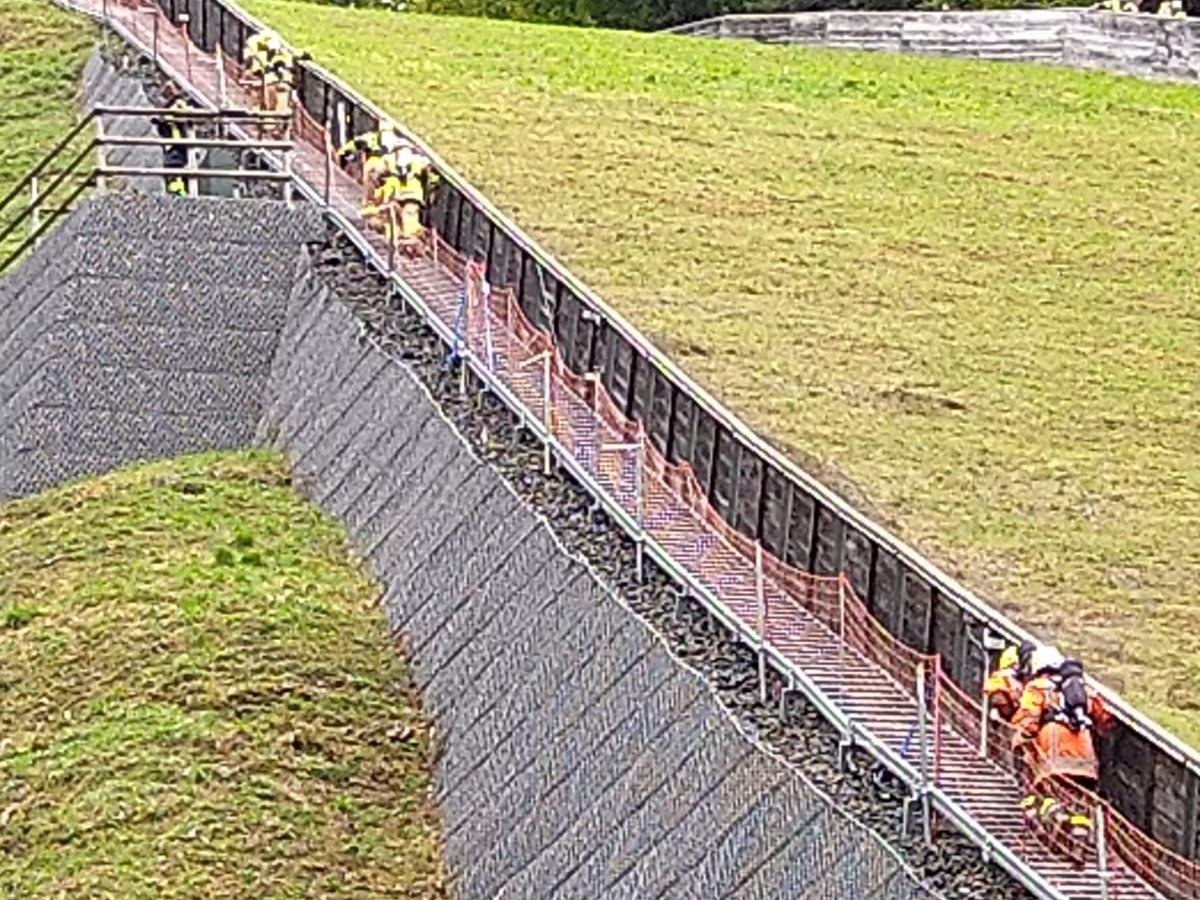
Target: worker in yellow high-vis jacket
(402,191)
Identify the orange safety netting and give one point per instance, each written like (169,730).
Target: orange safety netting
(779,604)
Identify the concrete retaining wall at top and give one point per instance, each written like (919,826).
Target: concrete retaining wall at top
(1145,46)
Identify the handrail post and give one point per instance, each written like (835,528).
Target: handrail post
(329,151)
(101,155)
(985,712)
(287,185)
(220,77)
(547,412)
(639,476)
(1102,851)
(937,718)
(842,607)
(33,206)
(923,749)
(193,163)
(184,19)
(471,293)
(760,595)
(391,213)
(841,630)
(154,48)
(485,297)
(462,371)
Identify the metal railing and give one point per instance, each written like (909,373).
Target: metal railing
(69,163)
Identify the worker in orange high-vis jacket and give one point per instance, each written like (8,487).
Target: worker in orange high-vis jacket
(1004,686)
(1056,723)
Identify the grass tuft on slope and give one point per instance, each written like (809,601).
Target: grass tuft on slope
(964,292)
(42,52)
(198,697)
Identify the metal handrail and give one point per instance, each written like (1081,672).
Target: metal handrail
(161,172)
(37,201)
(37,170)
(44,225)
(189,113)
(106,140)
(108,171)
(211,143)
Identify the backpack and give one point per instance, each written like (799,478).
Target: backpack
(1071,700)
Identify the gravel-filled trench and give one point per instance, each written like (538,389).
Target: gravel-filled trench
(953,865)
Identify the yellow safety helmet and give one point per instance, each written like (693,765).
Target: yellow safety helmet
(1010,658)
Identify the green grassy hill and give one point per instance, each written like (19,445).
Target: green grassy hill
(42,52)
(965,293)
(198,698)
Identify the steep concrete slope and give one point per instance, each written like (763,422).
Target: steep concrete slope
(578,758)
(142,328)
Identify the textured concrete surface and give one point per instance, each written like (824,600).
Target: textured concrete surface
(124,337)
(578,758)
(1145,46)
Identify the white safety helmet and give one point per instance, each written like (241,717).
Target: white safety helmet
(404,156)
(1045,659)
(389,135)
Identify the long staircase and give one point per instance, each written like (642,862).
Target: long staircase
(813,631)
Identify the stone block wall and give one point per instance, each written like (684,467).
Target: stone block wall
(142,328)
(1144,46)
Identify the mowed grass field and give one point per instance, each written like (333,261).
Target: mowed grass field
(199,698)
(964,293)
(42,52)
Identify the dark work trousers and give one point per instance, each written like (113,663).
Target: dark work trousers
(175,158)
